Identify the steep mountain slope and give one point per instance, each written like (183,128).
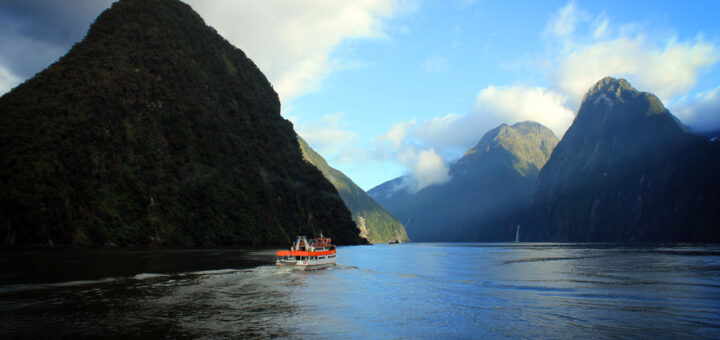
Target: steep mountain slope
(712,135)
(627,171)
(488,195)
(375,223)
(155,130)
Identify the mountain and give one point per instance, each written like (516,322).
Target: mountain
(712,135)
(375,223)
(627,171)
(488,195)
(154,130)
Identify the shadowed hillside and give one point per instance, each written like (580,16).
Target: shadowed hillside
(488,195)
(155,130)
(375,223)
(627,171)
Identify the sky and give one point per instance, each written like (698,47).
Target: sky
(389,88)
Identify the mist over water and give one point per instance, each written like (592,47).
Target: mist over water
(408,290)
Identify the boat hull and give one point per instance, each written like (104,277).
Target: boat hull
(306,254)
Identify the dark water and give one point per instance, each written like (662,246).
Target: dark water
(381,291)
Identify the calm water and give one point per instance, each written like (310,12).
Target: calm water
(400,291)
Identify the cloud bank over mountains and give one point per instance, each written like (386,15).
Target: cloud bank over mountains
(588,48)
(581,48)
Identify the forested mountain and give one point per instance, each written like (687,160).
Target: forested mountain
(627,171)
(375,223)
(488,195)
(155,130)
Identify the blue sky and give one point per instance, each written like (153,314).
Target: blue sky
(384,88)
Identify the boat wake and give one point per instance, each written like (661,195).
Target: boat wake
(10,289)
(19,288)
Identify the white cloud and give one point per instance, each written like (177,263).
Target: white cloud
(667,71)
(601,24)
(327,137)
(7,80)
(518,103)
(292,40)
(564,21)
(586,49)
(425,166)
(701,111)
(453,134)
(423,147)
(398,132)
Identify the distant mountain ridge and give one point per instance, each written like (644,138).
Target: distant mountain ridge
(375,223)
(154,130)
(488,195)
(627,171)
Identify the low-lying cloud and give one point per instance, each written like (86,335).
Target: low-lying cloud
(701,112)
(425,166)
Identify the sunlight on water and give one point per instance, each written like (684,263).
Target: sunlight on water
(381,291)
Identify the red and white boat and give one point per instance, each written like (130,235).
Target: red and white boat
(312,254)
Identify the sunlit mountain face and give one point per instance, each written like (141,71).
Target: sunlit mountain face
(489,192)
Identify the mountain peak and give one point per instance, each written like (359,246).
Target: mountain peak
(489,192)
(615,101)
(611,88)
(626,171)
(528,144)
(610,82)
(155,130)
(500,135)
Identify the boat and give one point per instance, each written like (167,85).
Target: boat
(393,241)
(308,254)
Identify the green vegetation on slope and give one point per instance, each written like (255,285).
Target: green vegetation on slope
(376,223)
(156,130)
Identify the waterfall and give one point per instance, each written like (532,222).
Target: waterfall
(517,234)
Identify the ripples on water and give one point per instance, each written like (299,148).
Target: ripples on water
(381,291)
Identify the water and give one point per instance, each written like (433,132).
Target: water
(515,290)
